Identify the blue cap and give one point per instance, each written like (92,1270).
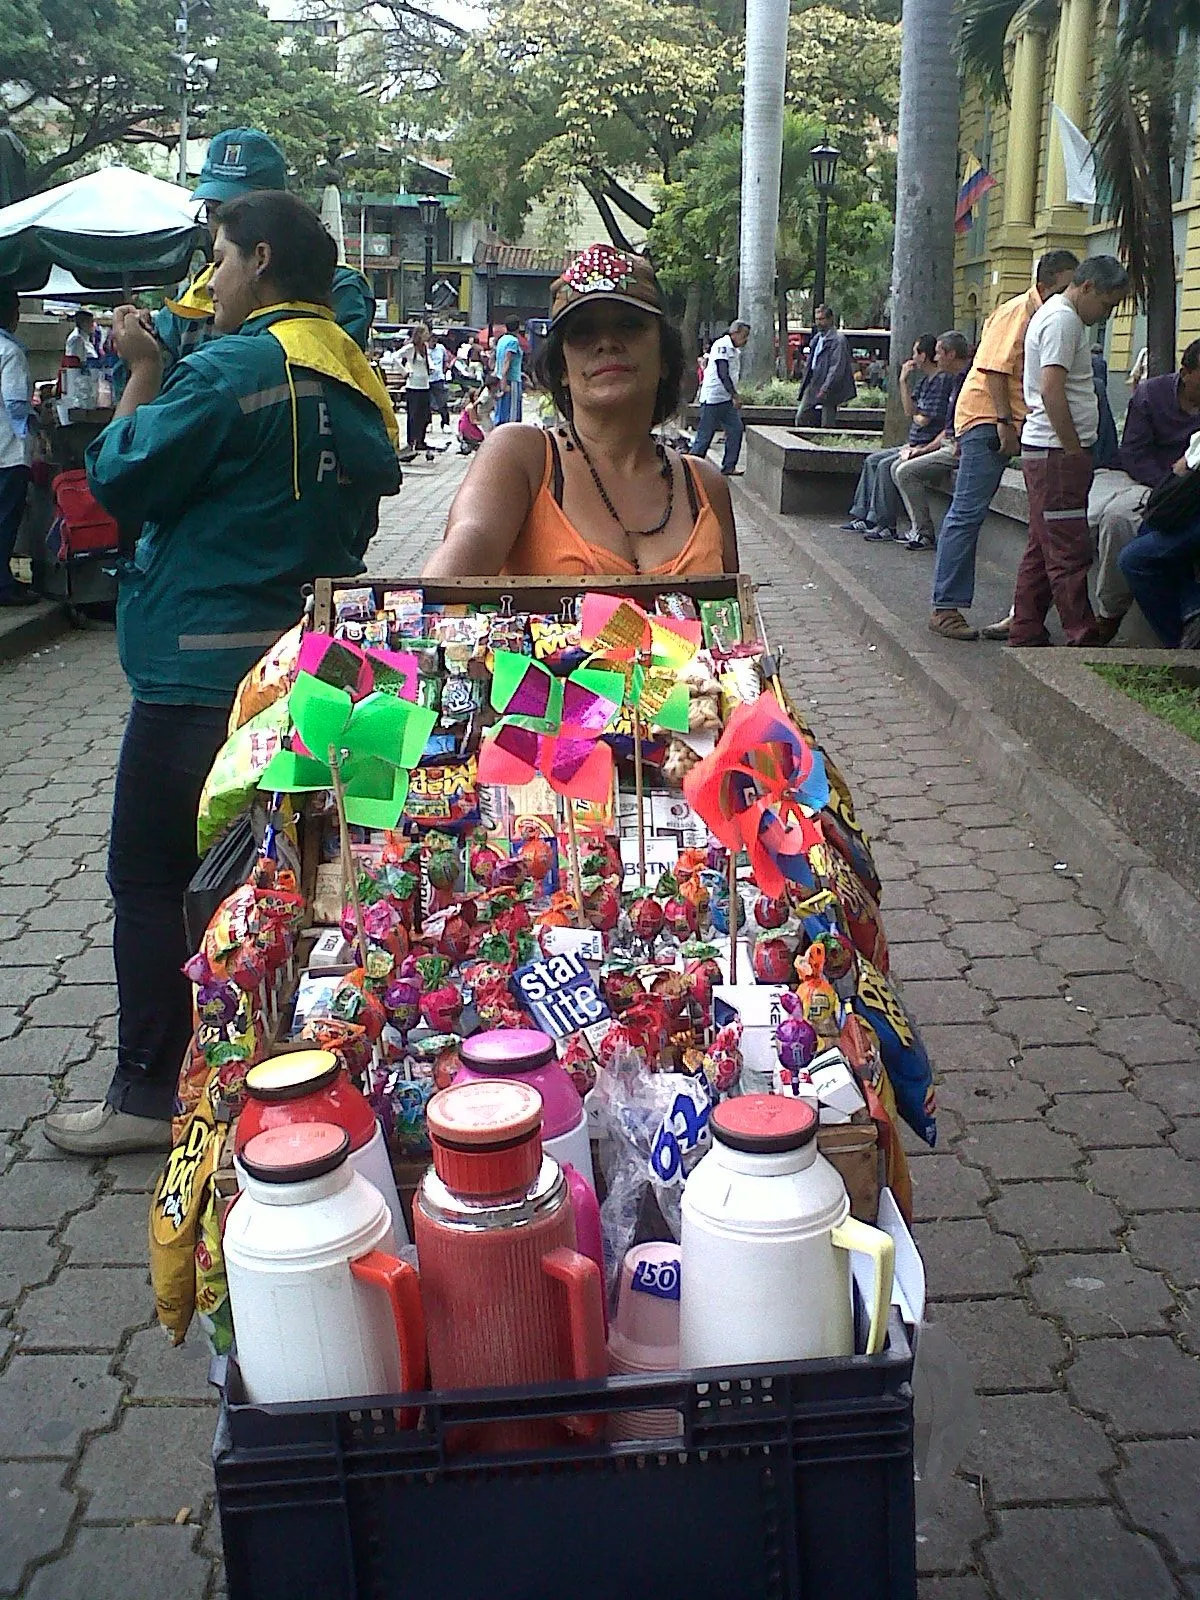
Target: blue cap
(239,161)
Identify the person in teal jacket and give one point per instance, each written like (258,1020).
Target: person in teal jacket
(255,468)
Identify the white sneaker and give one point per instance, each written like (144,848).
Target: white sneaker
(104,1131)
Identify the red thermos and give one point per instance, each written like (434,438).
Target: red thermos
(508,1298)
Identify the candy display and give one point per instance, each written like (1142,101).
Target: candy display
(582,901)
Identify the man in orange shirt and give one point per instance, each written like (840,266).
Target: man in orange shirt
(987,426)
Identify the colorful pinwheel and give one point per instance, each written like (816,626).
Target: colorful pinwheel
(552,726)
(649,653)
(757,790)
(374,743)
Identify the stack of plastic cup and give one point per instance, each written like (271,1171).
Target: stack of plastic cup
(645,1334)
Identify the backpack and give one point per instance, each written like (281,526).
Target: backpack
(83,526)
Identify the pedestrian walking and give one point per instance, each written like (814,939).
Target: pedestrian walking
(720,403)
(987,422)
(417,369)
(17,423)
(1056,456)
(439,394)
(828,380)
(509,359)
(256,468)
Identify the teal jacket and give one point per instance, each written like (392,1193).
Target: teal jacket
(207,471)
(180,335)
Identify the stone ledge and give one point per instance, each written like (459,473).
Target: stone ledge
(1124,875)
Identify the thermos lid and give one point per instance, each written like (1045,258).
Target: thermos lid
(502,1050)
(486,1136)
(764,1124)
(289,1076)
(292,1154)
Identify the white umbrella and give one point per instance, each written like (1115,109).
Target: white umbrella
(109,229)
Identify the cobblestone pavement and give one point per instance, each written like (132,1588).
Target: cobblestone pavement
(1058,1217)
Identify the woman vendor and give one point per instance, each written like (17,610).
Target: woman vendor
(598,496)
(256,468)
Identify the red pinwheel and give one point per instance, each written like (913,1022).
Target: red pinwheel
(758,791)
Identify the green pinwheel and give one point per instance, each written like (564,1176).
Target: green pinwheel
(373,742)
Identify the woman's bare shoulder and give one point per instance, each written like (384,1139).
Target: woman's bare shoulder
(716,485)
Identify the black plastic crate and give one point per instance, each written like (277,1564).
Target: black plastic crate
(789,1482)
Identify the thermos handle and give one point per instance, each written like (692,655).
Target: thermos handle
(400,1283)
(588,1236)
(580,1277)
(881,1247)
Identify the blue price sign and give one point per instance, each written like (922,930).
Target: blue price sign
(559,994)
(659,1278)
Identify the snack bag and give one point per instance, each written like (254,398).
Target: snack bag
(904,1057)
(232,781)
(179,1198)
(268,680)
(212,1285)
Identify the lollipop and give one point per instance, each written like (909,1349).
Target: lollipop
(538,856)
(771,960)
(681,917)
(442,1007)
(601,905)
(456,938)
(484,863)
(796,1039)
(770,911)
(646,917)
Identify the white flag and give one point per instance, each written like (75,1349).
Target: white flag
(1079,161)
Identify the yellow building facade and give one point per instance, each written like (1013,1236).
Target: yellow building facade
(1055,61)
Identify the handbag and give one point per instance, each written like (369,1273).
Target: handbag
(1174,505)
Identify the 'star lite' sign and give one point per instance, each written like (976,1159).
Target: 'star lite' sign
(559,994)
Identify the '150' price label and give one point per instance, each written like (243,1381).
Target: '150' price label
(559,994)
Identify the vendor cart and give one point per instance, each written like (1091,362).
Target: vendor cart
(789,1481)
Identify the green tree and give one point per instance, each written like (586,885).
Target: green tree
(694,238)
(91,76)
(1142,113)
(554,93)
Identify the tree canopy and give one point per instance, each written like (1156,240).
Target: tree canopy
(600,93)
(694,237)
(87,75)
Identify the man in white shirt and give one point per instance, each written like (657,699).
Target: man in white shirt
(16,427)
(720,403)
(81,340)
(1056,456)
(439,397)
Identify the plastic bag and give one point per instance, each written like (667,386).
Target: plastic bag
(945,1416)
(653,1128)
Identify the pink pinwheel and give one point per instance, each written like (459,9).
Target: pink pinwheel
(758,791)
(649,653)
(552,726)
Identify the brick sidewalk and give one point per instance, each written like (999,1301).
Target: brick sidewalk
(1058,1216)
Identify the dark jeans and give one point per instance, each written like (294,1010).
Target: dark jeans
(416,404)
(14,481)
(817,416)
(439,402)
(722,414)
(165,757)
(1160,569)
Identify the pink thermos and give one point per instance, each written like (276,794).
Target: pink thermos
(508,1297)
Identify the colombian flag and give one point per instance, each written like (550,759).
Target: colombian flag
(978,181)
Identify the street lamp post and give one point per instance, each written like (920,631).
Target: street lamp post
(491,297)
(190,73)
(825,160)
(430,208)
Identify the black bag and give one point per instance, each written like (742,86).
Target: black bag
(1174,506)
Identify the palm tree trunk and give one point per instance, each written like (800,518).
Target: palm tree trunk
(1160,238)
(781,358)
(926,174)
(689,331)
(762,153)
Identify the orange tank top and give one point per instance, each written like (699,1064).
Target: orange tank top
(549,545)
